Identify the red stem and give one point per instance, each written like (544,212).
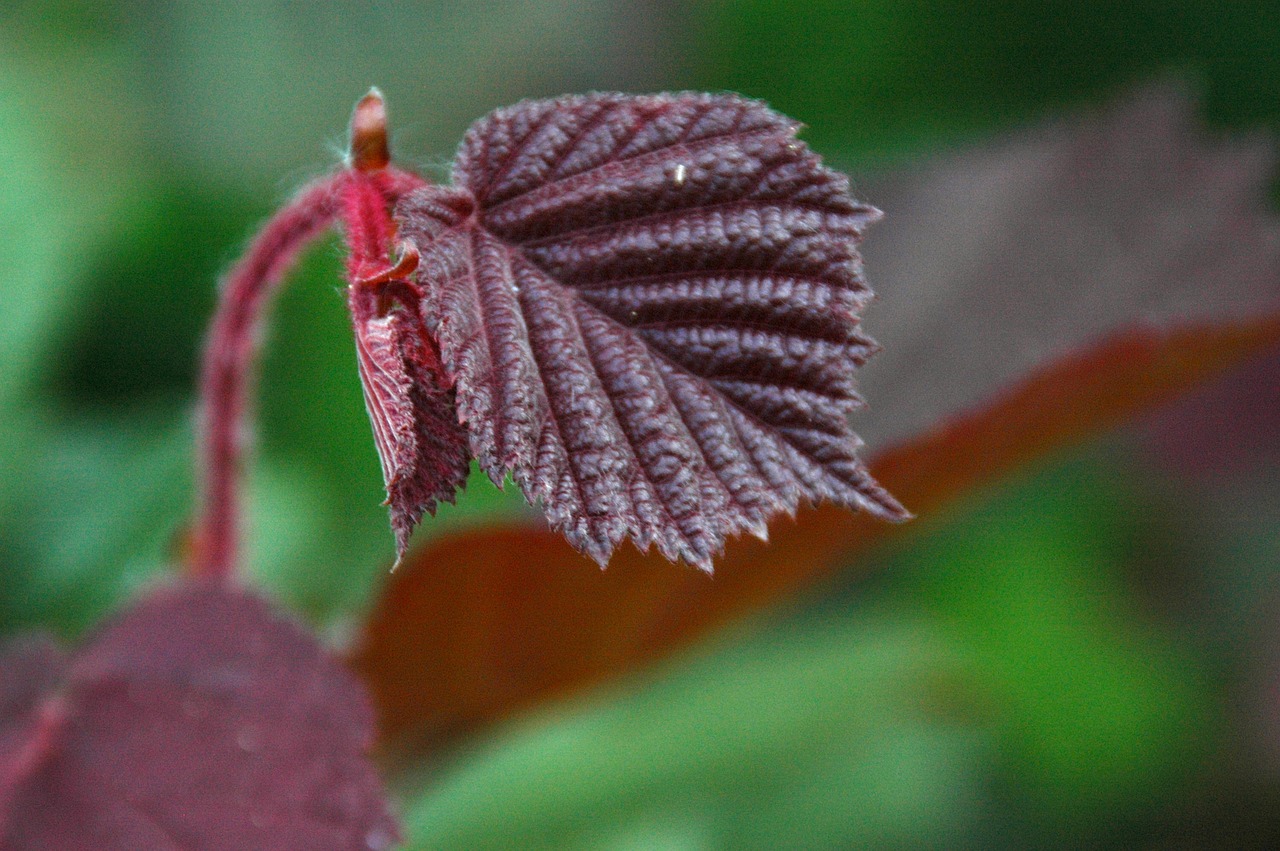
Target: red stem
(364,201)
(363,196)
(226,375)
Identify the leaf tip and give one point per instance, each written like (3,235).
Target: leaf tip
(882,504)
(369,148)
(869,214)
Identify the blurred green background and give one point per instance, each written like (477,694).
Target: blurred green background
(1087,658)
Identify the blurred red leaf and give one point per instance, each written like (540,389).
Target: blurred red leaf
(995,261)
(1226,428)
(196,719)
(482,624)
(1036,291)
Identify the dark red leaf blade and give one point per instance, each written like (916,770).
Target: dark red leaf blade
(528,623)
(421,446)
(198,719)
(649,307)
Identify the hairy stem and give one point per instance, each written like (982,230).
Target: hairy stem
(227,372)
(362,196)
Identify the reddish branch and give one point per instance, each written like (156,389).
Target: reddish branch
(362,195)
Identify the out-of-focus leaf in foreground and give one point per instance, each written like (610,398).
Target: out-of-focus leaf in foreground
(197,719)
(1034,292)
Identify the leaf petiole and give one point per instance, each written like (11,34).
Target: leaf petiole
(362,196)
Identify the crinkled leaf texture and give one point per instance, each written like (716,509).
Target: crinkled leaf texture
(1130,255)
(421,445)
(649,305)
(198,719)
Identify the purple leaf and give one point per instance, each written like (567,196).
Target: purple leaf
(421,445)
(649,307)
(197,720)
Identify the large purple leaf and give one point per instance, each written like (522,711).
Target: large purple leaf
(197,720)
(649,306)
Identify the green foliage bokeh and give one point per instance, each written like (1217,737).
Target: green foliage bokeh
(1012,678)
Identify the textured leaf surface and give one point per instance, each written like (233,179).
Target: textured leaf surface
(516,617)
(421,446)
(649,305)
(197,720)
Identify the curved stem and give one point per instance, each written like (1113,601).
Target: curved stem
(226,374)
(363,196)
(363,201)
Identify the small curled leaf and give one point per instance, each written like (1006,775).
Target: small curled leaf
(421,446)
(648,306)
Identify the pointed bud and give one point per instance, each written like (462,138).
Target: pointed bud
(369,149)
